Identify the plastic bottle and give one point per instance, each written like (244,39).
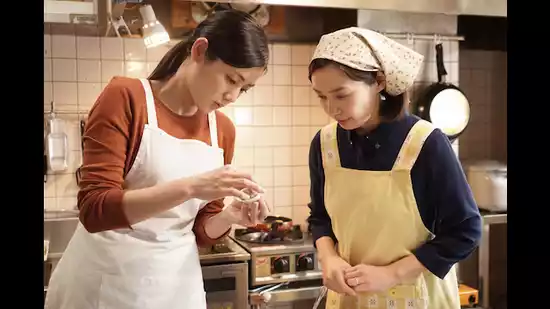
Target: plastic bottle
(57,141)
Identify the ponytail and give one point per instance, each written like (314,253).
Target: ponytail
(233,36)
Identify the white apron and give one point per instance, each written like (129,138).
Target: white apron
(154,265)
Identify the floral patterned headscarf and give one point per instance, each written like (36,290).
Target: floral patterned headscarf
(368,50)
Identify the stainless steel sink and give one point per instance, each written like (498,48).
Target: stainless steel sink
(59,227)
(59,230)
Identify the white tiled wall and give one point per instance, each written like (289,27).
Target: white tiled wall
(281,107)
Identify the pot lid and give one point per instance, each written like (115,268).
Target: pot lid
(486,166)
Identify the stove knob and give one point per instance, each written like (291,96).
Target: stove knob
(305,263)
(281,266)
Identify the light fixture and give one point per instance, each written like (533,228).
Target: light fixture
(154,33)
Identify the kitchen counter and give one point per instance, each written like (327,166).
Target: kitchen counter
(489,218)
(60,215)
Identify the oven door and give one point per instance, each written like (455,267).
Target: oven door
(226,285)
(300,294)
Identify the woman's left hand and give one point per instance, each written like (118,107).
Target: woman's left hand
(368,278)
(248,214)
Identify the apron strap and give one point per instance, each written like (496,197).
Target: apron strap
(413,145)
(150,103)
(212,124)
(329,146)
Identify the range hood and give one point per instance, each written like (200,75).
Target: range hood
(87,11)
(449,7)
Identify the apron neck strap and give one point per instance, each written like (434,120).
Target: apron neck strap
(212,124)
(413,145)
(152,114)
(150,103)
(329,146)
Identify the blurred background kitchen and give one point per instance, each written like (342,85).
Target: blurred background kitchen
(86,43)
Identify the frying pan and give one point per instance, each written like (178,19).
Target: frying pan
(444,104)
(271,237)
(275,224)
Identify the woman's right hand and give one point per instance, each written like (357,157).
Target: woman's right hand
(222,182)
(333,274)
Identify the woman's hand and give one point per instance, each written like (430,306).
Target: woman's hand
(220,183)
(368,278)
(333,274)
(247,214)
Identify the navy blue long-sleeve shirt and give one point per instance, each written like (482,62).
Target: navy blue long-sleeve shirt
(444,198)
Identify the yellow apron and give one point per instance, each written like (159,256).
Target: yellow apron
(375,218)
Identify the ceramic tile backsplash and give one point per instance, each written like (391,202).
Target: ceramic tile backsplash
(281,106)
(483,77)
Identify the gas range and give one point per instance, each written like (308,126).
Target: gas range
(225,275)
(282,271)
(282,262)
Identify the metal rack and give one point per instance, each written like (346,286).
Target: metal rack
(67,112)
(64,112)
(424,36)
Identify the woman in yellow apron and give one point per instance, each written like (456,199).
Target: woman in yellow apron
(391,210)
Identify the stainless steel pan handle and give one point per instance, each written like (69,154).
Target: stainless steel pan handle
(322,292)
(263,295)
(284,295)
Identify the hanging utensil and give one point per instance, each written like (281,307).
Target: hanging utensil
(442,103)
(82,126)
(260,12)
(201,10)
(77,173)
(45,156)
(78,176)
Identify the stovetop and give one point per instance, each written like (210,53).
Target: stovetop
(224,251)
(283,247)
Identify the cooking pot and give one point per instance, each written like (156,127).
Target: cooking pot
(489,183)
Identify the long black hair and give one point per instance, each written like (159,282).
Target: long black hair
(391,108)
(234,37)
